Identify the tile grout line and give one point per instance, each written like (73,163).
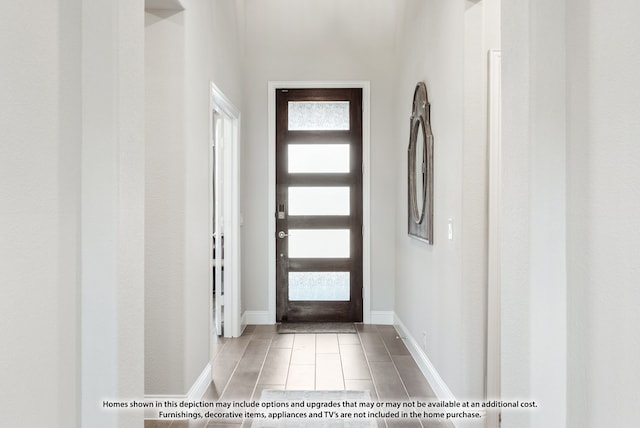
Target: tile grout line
(366,358)
(396,368)
(226,342)
(293,344)
(293,348)
(286,378)
(344,380)
(315,361)
(264,360)
(373,382)
(235,368)
(259,374)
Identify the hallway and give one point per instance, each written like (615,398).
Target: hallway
(429,291)
(105,236)
(374,359)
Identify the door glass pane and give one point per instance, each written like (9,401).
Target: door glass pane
(319,201)
(319,243)
(319,286)
(318,158)
(318,115)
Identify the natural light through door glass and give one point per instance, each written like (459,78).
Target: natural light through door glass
(319,201)
(325,286)
(319,243)
(318,115)
(318,158)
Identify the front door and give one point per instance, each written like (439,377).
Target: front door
(319,204)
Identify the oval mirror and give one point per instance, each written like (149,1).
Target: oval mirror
(417,173)
(420,168)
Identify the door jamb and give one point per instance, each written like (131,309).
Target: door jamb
(366,179)
(492,380)
(219,102)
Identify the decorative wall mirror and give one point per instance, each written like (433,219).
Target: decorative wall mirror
(420,168)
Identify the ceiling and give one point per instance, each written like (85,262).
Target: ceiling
(303,25)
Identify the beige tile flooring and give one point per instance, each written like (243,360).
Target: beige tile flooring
(374,359)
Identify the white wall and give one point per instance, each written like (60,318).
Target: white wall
(112,209)
(288,40)
(428,279)
(39,212)
(185,50)
(548,212)
(603,230)
(534,212)
(515,208)
(570,186)
(441,289)
(164,201)
(71,192)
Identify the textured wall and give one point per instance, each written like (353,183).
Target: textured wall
(185,51)
(317,41)
(39,212)
(72,212)
(441,289)
(603,230)
(571,188)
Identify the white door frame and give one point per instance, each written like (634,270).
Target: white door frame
(231,228)
(366,188)
(493,290)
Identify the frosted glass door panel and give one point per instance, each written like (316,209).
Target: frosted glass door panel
(319,243)
(324,286)
(318,115)
(318,158)
(319,201)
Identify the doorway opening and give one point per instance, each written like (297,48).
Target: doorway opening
(224,215)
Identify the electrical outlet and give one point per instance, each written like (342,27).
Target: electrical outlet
(424,341)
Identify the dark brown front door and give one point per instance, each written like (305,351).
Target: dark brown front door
(319,204)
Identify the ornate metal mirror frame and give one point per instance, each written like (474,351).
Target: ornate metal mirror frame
(420,168)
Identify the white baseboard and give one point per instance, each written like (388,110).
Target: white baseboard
(382,317)
(201,384)
(243,322)
(436,382)
(257,317)
(196,392)
(429,371)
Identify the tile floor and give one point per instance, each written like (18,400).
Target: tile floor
(374,359)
